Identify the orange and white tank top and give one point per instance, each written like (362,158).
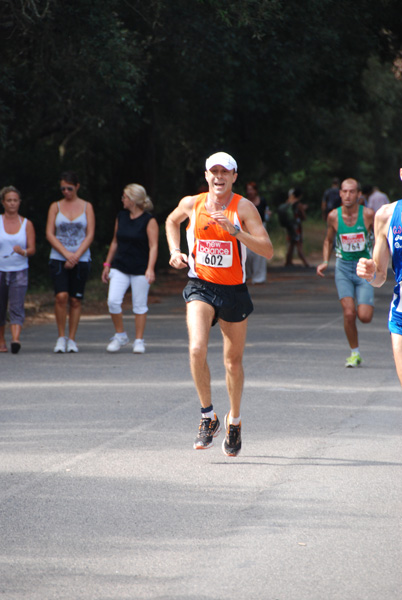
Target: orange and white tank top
(214,254)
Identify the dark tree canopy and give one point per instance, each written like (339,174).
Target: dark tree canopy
(126,90)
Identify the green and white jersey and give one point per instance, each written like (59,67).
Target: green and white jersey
(352,243)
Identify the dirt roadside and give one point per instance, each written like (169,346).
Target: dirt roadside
(39,306)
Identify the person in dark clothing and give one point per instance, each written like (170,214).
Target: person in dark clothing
(331,199)
(131,261)
(295,215)
(256,265)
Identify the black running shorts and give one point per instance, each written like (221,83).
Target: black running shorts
(232,303)
(69,280)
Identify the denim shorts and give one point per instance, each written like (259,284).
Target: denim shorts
(349,285)
(232,303)
(69,280)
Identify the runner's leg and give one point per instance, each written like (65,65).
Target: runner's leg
(365,313)
(199,321)
(349,321)
(397,350)
(234,339)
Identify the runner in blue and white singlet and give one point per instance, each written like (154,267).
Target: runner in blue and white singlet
(388,244)
(394,238)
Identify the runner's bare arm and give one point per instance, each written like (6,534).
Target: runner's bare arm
(178,259)
(332,226)
(375,269)
(368,217)
(253,235)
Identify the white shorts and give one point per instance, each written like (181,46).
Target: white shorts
(118,285)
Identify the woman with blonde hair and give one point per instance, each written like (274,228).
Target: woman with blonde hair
(131,262)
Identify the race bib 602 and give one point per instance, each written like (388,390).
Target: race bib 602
(214,253)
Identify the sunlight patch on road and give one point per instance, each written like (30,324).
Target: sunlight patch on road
(270,386)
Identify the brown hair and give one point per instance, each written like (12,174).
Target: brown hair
(69,177)
(7,190)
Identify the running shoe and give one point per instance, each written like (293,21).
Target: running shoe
(208,429)
(354,360)
(116,343)
(231,445)
(71,346)
(139,346)
(60,346)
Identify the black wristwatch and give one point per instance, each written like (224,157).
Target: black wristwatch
(236,231)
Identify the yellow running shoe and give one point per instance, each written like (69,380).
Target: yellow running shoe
(354,360)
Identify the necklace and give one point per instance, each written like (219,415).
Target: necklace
(211,210)
(214,209)
(222,207)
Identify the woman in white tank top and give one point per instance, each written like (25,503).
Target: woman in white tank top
(17,242)
(70,230)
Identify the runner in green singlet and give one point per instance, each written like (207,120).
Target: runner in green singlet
(352,224)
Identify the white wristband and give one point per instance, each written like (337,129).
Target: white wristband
(175,250)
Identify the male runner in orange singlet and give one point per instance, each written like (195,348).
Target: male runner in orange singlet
(222,225)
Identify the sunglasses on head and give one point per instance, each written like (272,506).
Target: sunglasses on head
(69,188)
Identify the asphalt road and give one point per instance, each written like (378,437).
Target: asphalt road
(102,496)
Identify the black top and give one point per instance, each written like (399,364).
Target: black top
(332,199)
(261,208)
(132,253)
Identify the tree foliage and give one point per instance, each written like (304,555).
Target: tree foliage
(123,90)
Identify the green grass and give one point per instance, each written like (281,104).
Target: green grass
(314,231)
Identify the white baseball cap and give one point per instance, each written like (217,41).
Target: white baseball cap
(223,159)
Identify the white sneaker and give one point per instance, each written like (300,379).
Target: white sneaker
(139,347)
(116,343)
(71,346)
(60,345)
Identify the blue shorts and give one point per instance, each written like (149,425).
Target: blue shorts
(395,327)
(395,312)
(232,303)
(349,285)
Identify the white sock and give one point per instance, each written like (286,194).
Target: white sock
(355,350)
(208,415)
(121,336)
(233,421)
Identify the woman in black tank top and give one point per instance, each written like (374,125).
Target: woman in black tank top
(131,262)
